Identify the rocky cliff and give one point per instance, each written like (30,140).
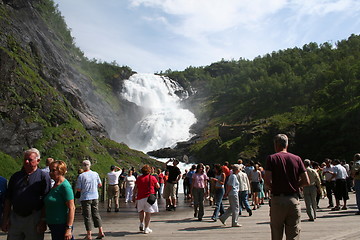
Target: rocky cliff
(44,90)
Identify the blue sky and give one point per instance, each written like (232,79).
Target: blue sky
(154,35)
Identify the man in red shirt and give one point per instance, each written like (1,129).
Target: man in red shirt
(285,173)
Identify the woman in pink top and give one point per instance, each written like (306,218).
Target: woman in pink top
(199,189)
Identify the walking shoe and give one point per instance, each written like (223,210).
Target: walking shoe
(116,210)
(250,213)
(330,206)
(141,227)
(344,208)
(337,208)
(147,230)
(236,225)
(214,219)
(109,210)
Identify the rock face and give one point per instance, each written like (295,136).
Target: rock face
(29,49)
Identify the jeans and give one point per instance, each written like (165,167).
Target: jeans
(219,208)
(129,194)
(58,231)
(198,194)
(330,187)
(357,190)
(243,198)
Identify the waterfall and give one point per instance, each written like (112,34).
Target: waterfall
(164,121)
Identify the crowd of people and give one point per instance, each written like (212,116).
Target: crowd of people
(285,178)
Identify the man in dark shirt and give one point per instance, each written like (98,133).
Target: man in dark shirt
(3,189)
(171,184)
(26,191)
(285,173)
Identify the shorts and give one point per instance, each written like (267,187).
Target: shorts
(341,191)
(170,190)
(143,205)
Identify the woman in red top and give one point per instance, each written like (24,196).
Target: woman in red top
(161,182)
(144,186)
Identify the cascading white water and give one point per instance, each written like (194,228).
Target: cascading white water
(165,121)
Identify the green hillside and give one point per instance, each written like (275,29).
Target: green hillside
(310,93)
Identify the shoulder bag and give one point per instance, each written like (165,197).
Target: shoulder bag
(152,197)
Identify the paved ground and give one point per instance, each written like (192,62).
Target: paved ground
(329,225)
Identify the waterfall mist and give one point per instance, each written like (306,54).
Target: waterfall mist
(164,121)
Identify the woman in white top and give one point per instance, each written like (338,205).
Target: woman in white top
(129,184)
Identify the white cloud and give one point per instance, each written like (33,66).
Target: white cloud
(154,35)
(202,17)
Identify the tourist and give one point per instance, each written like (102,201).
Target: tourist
(244,189)
(186,186)
(255,178)
(210,172)
(113,188)
(316,167)
(232,192)
(199,190)
(144,186)
(189,176)
(355,172)
(285,173)
(262,189)
(310,191)
(59,203)
(3,190)
(219,181)
(226,170)
(130,184)
(122,187)
(46,169)
(88,183)
(24,200)
(329,181)
(161,183)
(341,190)
(171,184)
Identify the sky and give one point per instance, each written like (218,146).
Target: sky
(155,35)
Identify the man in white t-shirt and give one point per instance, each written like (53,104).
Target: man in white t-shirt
(113,187)
(232,191)
(88,183)
(341,191)
(329,181)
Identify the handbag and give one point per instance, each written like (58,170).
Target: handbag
(77,194)
(152,197)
